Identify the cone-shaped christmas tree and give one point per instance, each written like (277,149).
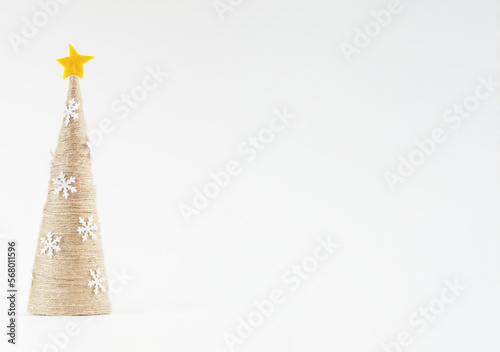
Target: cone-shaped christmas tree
(69,277)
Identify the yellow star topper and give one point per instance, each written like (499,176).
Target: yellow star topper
(73,64)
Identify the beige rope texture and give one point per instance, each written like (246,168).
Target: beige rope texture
(60,284)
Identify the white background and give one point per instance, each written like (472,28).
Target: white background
(323,175)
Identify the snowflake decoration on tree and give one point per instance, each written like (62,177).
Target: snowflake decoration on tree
(97,281)
(87,228)
(63,185)
(50,245)
(52,156)
(70,111)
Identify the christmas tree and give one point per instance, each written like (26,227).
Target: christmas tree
(69,277)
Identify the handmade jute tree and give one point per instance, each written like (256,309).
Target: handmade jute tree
(69,277)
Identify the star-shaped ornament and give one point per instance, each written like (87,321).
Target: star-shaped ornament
(73,64)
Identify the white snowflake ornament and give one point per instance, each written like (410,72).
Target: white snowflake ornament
(50,244)
(52,155)
(97,281)
(88,228)
(70,111)
(63,185)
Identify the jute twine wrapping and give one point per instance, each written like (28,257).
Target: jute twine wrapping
(60,284)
